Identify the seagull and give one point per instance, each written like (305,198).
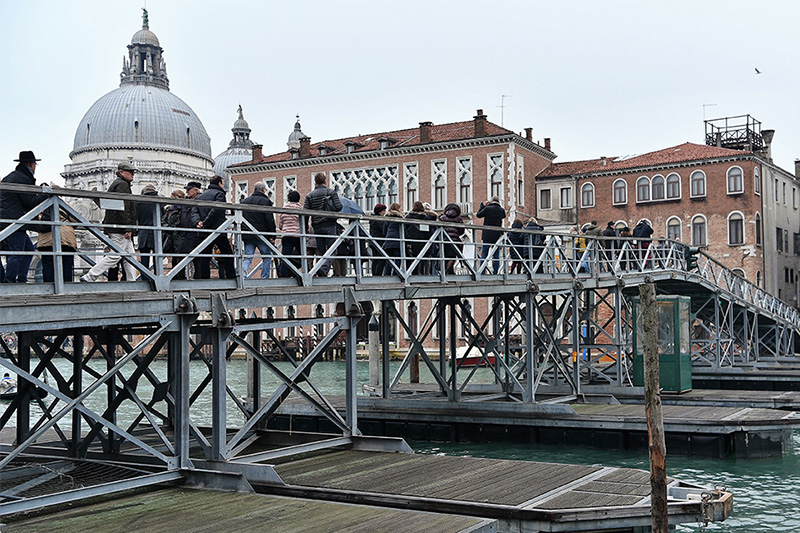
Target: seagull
(758,71)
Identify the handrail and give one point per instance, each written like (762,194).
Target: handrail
(437,258)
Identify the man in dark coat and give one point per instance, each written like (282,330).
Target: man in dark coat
(642,233)
(493,215)
(146,220)
(121,234)
(609,245)
(186,240)
(323,199)
(13,205)
(262,223)
(211,218)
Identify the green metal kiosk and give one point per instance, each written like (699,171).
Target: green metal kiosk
(674,343)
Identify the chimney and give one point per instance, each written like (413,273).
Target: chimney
(257,152)
(718,139)
(305,146)
(529,134)
(480,124)
(767,135)
(797,168)
(425,132)
(603,161)
(547,143)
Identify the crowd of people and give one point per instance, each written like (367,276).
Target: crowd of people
(399,241)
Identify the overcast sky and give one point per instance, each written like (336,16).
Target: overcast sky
(601,78)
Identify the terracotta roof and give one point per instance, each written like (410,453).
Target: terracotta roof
(408,137)
(675,154)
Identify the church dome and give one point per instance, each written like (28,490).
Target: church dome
(295,136)
(143,116)
(239,150)
(144,36)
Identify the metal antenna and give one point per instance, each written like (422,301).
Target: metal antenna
(503,107)
(704,109)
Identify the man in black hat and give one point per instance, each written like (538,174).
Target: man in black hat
(122,234)
(13,205)
(186,241)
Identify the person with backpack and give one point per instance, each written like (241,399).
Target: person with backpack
(323,199)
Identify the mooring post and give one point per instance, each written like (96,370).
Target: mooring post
(254,373)
(374,341)
(77,388)
(351,397)
(530,358)
(385,353)
(652,399)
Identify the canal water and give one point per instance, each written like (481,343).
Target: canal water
(766,496)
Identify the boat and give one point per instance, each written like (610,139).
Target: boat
(473,358)
(9,390)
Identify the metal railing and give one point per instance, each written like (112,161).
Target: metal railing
(415,250)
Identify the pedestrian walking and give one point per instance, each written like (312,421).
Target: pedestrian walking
(377,230)
(289,225)
(323,199)
(13,206)
(188,239)
(455,229)
(69,246)
(493,215)
(211,218)
(122,233)
(394,243)
(146,220)
(263,225)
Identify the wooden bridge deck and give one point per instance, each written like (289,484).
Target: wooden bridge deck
(189,510)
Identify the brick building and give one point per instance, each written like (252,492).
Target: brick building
(464,162)
(733,202)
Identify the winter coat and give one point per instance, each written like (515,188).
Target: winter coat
(316,200)
(393,240)
(125,218)
(413,231)
(493,215)
(452,214)
(642,230)
(45,241)
(185,241)
(13,205)
(534,240)
(611,241)
(517,238)
(261,222)
(146,216)
(171,219)
(290,224)
(212,218)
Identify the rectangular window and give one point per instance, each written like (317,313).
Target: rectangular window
(545,200)
(439,183)
(776,190)
(289,184)
(794,197)
(520,180)
(786,240)
(796,244)
(566,197)
(241,191)
(411,181)
(269,189)
(779,238)
(494,171)
(464,180)
(784,194)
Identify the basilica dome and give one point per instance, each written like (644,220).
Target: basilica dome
(145,116)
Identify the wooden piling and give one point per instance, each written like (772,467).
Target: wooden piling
(655,420)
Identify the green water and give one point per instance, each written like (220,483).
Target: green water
(765,490)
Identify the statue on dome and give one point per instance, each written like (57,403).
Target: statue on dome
(241,116)
(145,22)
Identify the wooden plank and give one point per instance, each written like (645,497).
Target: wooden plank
(202,511)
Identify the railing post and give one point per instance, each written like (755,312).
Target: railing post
(530,359)
(304,250)
(158,259)
(55,229)
(238,249)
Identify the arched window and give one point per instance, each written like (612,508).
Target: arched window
(658,188)
(619,225)
(756,181)
(620,189)
(735,229)
(673,186)
(699,231)
(739,272)
(735,180)
(758,229)
(464,173)
(587,195)
(643,189)
(440,192)
(698,184)
(674,228)
(411,193)
(758,278)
